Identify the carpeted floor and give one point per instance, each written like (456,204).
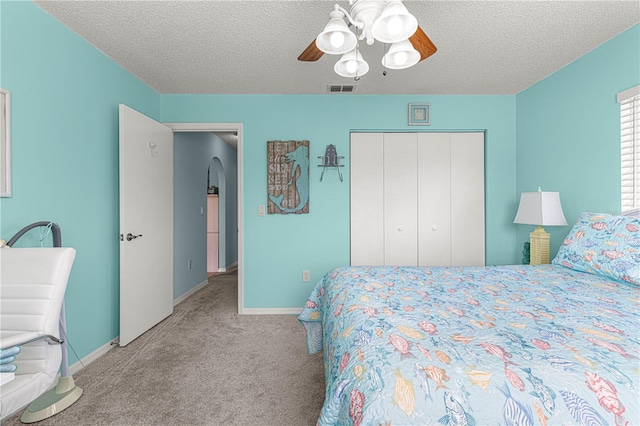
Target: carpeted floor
(204,365)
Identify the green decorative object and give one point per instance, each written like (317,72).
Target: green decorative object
(526,254)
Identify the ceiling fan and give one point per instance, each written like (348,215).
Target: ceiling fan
(387,21)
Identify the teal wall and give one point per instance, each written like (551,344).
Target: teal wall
(277,248)
(64,105)
(65,97)
(568,132)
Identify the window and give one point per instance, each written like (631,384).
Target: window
(630,147)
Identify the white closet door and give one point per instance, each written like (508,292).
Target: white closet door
(434,199)
(467,199)
(367,198)
(400,201)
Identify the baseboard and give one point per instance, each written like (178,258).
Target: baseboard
(271,311)
(190,292)
(79,365)
(231,267)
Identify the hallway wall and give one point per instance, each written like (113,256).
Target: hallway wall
(193,153)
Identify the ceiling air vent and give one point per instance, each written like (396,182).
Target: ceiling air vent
(339,88)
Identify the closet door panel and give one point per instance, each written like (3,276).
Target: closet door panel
(400,201)
(367,209)
(467,199)
(434,199)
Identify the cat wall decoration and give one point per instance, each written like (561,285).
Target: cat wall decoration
(288,177)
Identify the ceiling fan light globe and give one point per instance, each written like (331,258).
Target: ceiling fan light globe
(394,24)
(400,58)
(351,65)
(326,39)
(401,55)
(337,39)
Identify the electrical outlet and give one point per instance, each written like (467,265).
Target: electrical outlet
(189,264)
(306,276)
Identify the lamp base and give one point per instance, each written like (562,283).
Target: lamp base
(539,246)
(53,401)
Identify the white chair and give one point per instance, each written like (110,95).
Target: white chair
(32,287)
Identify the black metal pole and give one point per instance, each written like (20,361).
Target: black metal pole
(55,232)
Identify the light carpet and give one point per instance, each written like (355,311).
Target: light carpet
(204,365)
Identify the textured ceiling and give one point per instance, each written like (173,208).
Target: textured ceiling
(251,47)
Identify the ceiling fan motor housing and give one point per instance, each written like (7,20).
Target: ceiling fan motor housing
(367,11)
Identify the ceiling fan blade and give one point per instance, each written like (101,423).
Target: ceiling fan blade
(311,53)
(422,44)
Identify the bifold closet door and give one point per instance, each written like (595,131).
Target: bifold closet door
(367,199)
(400,201)
(467,199)
(451,199)
(383,199)
(417,199)
(434,199)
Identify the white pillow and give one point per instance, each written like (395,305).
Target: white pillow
(632,213)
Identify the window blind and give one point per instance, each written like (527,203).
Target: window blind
(630,147)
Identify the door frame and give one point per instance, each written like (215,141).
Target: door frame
(225,127)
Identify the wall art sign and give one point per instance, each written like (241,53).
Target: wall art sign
(288,177)
(5,143)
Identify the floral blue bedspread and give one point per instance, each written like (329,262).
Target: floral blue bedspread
(500,345)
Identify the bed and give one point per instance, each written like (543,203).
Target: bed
(551,344)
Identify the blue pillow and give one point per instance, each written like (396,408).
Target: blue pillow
(603,244)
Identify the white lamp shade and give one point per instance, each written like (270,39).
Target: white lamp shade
(394,24)
(336,38)
(401,55)
(540,208)
(351,64)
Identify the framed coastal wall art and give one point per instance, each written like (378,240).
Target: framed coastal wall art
(5,143)
(288,177)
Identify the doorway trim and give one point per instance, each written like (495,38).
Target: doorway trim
(225,127)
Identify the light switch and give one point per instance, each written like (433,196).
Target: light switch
(260,210)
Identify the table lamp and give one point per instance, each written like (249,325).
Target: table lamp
(540,208)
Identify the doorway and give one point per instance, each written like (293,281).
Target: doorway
(234,129)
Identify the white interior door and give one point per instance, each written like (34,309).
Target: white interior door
(146,223)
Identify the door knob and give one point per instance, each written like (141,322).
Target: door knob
(130,236)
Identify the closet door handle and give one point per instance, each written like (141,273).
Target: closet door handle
(400,228)
(130,236)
